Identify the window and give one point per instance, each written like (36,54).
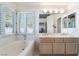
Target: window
(22,18)
(30,23)
(26,23)
(1,19)
(6,20)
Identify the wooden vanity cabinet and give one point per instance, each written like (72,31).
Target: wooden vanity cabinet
(58,46)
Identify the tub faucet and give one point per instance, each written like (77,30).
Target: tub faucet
(24,36)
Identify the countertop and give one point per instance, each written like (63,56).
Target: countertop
(58,35)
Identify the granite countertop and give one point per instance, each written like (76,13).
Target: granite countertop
(58,35)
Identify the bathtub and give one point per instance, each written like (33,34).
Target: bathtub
(17,47)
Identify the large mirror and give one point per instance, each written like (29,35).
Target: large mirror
(49,23)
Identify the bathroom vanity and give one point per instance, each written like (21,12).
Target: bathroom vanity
(58,45)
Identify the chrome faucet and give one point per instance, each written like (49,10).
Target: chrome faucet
(24,35)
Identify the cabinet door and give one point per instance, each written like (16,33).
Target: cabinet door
(45,48)
(71,48)
(58,48)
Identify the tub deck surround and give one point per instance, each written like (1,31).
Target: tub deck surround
(12,45)
(18,48)
(12,49)
(58,45)
(6,39)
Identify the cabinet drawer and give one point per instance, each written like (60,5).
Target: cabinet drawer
(46,40)
(70,40)
(58,48)
(45,48)
(57,40)
(71,48)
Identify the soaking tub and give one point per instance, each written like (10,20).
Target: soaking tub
(17,47)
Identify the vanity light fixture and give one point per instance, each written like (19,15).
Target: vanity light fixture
(56,11)
(45,10)
(52,11)
(61,11)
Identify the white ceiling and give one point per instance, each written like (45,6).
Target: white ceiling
(24,6)
(43,3)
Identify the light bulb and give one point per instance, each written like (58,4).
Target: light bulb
(50,11)
(45,10)
(56,11)
(61,11)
